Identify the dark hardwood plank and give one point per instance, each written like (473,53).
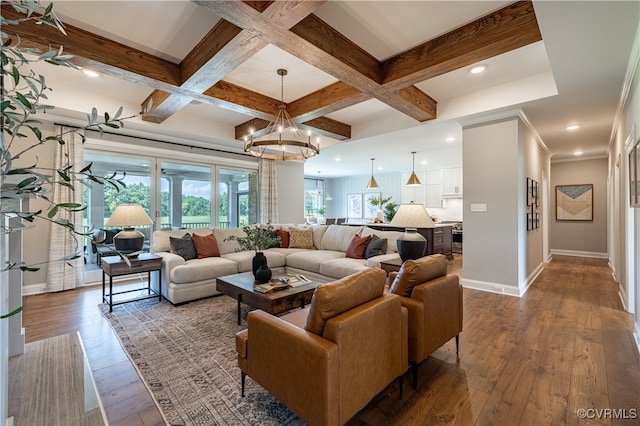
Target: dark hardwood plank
(567,344)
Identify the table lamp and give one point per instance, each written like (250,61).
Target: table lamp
(412,245)
(127,216)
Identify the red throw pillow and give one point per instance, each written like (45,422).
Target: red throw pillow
(284,238)
(206,246)
(358,246)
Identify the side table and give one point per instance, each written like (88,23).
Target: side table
(392,265)
(115,266)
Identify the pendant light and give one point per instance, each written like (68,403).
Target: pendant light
(413,179)
(372,182)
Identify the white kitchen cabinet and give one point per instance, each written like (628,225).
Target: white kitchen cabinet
(434,195)
(417,194)
(452,182)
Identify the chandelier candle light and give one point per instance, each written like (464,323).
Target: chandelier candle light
(281,139)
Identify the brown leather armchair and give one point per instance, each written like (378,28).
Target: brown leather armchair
(326,362)
(433,299)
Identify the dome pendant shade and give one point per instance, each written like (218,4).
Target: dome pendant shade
(372,181)
(413,179)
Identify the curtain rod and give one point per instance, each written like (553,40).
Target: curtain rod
(184,145)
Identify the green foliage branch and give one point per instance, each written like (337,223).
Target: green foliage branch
(257,238)
(23,98)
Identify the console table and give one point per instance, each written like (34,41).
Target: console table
(439,239)
(115,266)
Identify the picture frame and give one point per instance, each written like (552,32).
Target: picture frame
(634,179)
(574,202)
(529,191)
(354,206)
(369,209)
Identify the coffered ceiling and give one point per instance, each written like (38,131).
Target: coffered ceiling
(373,78)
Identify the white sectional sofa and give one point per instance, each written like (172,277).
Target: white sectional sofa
(186,280)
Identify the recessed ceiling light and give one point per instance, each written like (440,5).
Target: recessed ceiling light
(338,159)
(450,139)
(423,162)
(90,73)
(478,69)
(380,168)
(572,127)
(577,152)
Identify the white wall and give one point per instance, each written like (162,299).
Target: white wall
(290,176)
(585,238)
(499,253)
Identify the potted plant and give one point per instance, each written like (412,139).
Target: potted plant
(380,202)
(321,211)
(390,210)
(258,239)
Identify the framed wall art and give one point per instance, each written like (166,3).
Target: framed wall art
(574,202)
(369,209)
(634,179)
(354,206)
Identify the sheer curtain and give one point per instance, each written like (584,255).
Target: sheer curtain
(65,275)
(268,191)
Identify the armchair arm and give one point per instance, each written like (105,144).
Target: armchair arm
(442,299)
(298,367)
(415,311)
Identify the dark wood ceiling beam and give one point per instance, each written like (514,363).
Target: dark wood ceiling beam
(245,17)
(329,99)
(222,50)
(101,54)
(509,28)
(320,126)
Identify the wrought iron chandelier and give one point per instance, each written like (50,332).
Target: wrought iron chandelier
(281,139)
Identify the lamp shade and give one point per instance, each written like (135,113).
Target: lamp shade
(128,216)
(411,244)
(412,215)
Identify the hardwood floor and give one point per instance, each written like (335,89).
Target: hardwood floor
(566,345)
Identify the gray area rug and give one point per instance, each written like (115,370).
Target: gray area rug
(186,357)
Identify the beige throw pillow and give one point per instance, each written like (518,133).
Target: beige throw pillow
(301,238)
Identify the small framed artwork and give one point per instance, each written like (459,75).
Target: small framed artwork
(536,193)
(354,206)
(634,181)
(574,202)
(370,210)
(529,191)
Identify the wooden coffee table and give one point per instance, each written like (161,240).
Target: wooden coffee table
(240,287)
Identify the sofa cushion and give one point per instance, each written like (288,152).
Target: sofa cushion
(228,246)
(202,269)
(376,247)
(391,236)
(414,272)
(244,259)
(338,268)
(358,246)
(301,238)
(318,233)
(331,299)
(338,237)
(206,246)
(183,247)
(284,237)
(310,260)
(161,238)
(375,260)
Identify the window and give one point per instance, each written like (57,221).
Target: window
(185,196)
(313,197)
(237,198)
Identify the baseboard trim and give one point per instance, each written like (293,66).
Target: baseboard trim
(579,253)
(31,289)
(491,287)
(530,279)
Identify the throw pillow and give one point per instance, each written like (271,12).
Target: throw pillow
(301,238)
(376,247)
(284,237)
(332,299)
(206,246)
(358,246)
(274,235)
(415,272)
(183,247)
